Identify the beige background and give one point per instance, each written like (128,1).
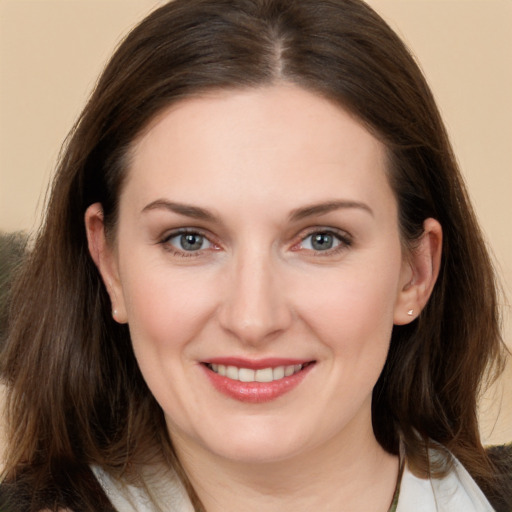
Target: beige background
(51,52)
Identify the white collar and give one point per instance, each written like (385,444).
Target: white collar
(168,496)
(456,492)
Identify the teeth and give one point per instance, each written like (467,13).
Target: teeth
(264,375)
(261,375)
(232,372)
(246,375)
(278,373)
(289,370)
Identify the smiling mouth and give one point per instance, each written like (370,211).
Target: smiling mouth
(270,374)
(258,381)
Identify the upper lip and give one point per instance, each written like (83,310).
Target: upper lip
(256,364)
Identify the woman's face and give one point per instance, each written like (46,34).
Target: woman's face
(258,264)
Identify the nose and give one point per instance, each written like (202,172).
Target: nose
(255,309)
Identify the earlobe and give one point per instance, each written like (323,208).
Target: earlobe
(104,258)
(420,273)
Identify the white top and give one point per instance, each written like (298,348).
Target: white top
(456,492)
(170,496)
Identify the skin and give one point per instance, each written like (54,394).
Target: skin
(258,288)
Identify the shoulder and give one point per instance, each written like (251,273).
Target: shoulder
(455,492)
(501,457)
(159,489)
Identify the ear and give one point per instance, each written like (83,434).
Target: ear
(419,273)
(104,257)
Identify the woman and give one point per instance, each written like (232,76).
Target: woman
(259,280)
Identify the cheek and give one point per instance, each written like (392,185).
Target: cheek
(352,311)
(165,309)
(166,312)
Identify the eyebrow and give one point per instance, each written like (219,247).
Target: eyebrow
(298,214)
(327,207)
(187,210)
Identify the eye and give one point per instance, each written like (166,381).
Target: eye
(324,241)
(188,242)
(320,242)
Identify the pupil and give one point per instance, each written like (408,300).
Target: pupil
(191,242)
(322,241)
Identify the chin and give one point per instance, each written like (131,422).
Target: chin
(257,452)
(255,444)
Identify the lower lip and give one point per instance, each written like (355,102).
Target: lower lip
(256,392)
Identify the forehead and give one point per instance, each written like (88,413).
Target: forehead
(280,142)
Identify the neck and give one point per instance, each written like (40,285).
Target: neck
(352,474)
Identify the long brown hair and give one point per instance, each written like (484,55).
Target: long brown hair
(75,393)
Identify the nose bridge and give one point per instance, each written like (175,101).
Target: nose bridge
(255,307)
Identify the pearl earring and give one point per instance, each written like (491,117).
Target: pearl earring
(410,312)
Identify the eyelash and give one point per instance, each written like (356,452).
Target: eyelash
(344,239)
(182,253)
